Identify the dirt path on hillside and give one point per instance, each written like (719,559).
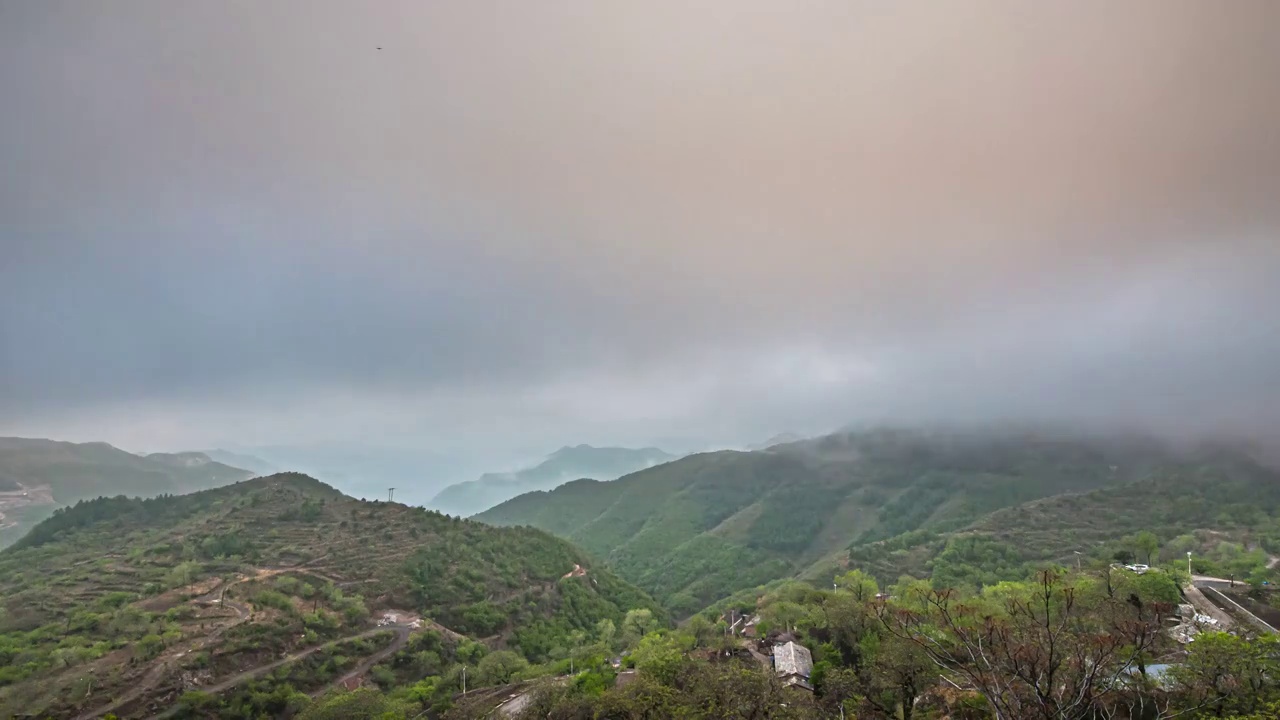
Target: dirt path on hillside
(163,664)
(167,661)
(402,636)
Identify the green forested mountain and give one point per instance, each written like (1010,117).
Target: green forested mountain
(38,475)
(567,463)
(696,529)
(1222,505)
(130,606)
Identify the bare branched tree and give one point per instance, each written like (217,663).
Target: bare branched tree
(1045,656)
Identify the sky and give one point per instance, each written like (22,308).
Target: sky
(489,229)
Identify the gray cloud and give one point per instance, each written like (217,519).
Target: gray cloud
(531,224)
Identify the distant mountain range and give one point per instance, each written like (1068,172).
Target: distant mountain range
(367,470)
(37,476)
(889,501)
(565,464)
(242,460)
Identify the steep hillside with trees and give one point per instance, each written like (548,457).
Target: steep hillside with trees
(122,605)
(1223,507)
(697,529)
(37,476)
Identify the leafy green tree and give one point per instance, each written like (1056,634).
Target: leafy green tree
(900,672)
(1229,674)
(1146,544)
(149,646)
(659,656)
(839,692)
(638,623)
(605,632)
(498,667)
(1157,587)
(362,704)
(784,614)
(704,633)
(182,574)
(1270,712)
(862,585)
(197,700)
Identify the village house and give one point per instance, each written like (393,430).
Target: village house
(793,664)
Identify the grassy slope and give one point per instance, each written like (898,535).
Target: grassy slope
(98,562)
(694,530)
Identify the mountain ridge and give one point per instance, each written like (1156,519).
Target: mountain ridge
(563,465)
(242,460)
(695,529)
(38,475)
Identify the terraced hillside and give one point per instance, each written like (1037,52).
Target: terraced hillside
(127,606)
(37,476)
(697,529)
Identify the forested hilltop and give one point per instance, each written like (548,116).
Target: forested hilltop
(242,601)
(37,476)
(697,529)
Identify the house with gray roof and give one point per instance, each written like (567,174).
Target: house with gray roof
(793,664)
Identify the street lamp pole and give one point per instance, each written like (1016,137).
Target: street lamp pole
(1188,563)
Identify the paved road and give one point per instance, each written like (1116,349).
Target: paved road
(1199,579)
(1205,581)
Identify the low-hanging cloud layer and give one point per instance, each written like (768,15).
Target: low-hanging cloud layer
(520,225)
